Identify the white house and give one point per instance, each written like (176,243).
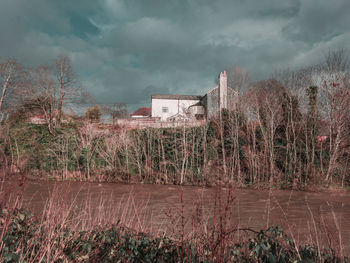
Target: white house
(193,107)
(173,107)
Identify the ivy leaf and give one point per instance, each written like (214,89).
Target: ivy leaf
(272,259)
(21,216)
(257,249)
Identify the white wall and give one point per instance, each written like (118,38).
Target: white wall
(174,107)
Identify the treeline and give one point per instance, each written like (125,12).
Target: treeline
(49,91)
(290,131)
(45,89)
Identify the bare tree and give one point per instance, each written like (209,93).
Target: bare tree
(116,111)
(45,89)
(295,85)
(238,81)
(333,79)
(268,111)
(49,94)
(68,86)
(37,94)
(10,78)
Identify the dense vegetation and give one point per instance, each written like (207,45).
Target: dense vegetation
(193,155)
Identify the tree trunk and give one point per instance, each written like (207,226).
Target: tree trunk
(4,89)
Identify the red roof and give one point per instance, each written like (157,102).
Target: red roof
(145,111)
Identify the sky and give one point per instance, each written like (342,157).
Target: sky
(127,50)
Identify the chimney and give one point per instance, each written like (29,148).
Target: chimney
(223,90)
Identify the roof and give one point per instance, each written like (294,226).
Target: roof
(145,111)
(176,97)
(199,103)
(210,91)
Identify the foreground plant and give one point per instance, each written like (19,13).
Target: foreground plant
(25,239)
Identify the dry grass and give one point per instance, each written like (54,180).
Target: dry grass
(210,226)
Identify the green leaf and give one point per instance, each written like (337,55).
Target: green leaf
(272,259)
(257,249)
(21,216)
(264,247)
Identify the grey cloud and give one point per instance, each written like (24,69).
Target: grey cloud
(148,34)
(82,27)
(125,50)
(319,20)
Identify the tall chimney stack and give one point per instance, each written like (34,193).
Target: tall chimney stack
(223,90)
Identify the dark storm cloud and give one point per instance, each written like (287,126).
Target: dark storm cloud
(126,50)
(319,20)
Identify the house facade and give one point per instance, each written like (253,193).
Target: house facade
(176,107)
(194,107)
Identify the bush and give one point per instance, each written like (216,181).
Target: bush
(26,239)
(93,114)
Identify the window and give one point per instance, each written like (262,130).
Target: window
(165,109)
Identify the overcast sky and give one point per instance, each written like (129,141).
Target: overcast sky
(127,50)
